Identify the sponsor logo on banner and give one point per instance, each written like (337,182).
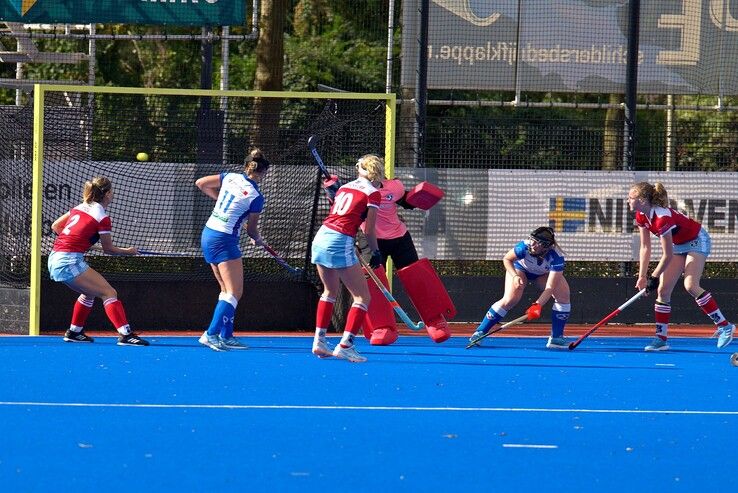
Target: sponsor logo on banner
(567,213)
(22,6)
(465,10)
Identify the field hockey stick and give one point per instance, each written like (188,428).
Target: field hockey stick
(163,254)
(99,249)
(312,143)
(504,326)
(602,322)
(280,260)
(396,306)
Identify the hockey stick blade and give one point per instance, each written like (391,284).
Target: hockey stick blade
(277,258)
(395,305)
(504,326)
(602,322)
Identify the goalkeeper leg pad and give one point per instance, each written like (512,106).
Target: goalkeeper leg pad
(429,297)
(379,324)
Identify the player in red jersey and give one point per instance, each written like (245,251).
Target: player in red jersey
(685,246)
(77,231)
(334,255)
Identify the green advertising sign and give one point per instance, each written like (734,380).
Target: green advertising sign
(175,12)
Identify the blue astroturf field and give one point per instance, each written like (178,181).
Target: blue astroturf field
(510,416)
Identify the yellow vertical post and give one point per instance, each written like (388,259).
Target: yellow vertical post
(34,318)
(389,156)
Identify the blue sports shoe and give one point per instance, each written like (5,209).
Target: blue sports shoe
(725,335)
(657,344)
(232,343)
(557,343)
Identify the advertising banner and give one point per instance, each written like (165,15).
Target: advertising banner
(180,12)
(685,46)
(589,210)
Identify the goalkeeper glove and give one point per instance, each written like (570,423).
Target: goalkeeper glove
(331,187)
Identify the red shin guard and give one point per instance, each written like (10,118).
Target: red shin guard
(323,314)
(81,311)
(355,318)
(114,311)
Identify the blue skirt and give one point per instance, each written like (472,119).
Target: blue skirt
(219,247)
(333,249)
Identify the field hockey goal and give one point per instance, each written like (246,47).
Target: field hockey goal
(153,144)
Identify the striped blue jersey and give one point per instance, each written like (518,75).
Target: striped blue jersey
(551,261)
(238,197)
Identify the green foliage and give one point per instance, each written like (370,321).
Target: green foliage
(334,61)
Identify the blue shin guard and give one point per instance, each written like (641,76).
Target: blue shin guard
(225,311)
(559,317)
(492,317)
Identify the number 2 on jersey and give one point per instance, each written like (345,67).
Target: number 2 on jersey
(70,223)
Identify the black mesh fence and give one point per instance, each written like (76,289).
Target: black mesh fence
(157,206)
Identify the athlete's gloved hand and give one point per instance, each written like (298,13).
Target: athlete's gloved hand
(534,311)
(652,284)
(376,259)
(331,187)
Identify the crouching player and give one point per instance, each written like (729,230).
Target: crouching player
(418,277)
(538,260)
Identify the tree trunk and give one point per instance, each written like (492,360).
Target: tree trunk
(269,72)
(612,145)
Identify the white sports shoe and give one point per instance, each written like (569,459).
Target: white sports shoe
(348,353)
(321,349)
(725,335)
(213,342)
(232,343)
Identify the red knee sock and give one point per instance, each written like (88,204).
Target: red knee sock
(662,312)
(117,315)
(324,313)
(354,321)
(708,305)
(80,312)
(355,318)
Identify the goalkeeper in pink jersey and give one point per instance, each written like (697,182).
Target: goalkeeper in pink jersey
(418,277)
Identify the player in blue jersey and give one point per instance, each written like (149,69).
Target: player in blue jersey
(237,199)
(538,260)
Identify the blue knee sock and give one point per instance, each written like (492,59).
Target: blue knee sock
(493,315)
(223,315)
(559,316)
(226,330)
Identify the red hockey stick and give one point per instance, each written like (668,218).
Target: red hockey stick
(602,322)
